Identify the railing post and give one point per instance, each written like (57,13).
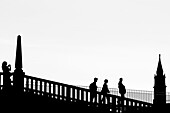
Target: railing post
(87,96)
(36,86)
(119,104)
(41,88)
(54,90)
(58,91)
(82,95)
(122,104)
(45,88)
(18,81)
(73,93)
(127,105)
(113,104)
(50,95)
(78,94)
(136,107)
(63,92)
(32,91)
(27,84)
(68,94)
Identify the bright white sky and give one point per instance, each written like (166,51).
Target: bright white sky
(73,41)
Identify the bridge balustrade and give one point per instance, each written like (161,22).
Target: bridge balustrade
(70,93)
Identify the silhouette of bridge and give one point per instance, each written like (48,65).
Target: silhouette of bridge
(59,93)
(37,94)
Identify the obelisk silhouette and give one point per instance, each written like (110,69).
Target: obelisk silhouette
(18,58)
(18,78)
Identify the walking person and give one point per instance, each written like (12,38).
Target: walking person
(105,91)
(93,90)
(122,89)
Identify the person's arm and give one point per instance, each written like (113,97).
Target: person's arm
(9,67)
(108,90)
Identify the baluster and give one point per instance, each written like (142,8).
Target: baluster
(36,86)
(40,87)
(119,105)
(78,94)
(136,106)
(58,91)
(50,90)
(54,90)
(63,92)
(144,107)
(113,104)
(68,93)
(131,106)
(27,84)
(127,105)
(45,88)
(82,94)
(87,96)
(140,105)
(32,85)
(123,104)
(73,93)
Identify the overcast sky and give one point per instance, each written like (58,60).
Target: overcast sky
(73,41)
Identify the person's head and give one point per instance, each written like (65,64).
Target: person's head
(105,81)
(121,79)
(95,79)
(4,63)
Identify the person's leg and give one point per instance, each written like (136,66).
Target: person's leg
(122,99)
(104,99)
(108,99)
(91,97)
(95,98)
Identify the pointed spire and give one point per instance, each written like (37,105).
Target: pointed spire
(159,68)
(18,59)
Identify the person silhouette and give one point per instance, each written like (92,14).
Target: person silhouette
(93,90)
(6,76)
(122,89)
(105,91)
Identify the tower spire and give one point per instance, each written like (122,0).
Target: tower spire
(159,68)
(18,59)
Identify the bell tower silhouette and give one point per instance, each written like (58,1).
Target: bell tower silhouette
(159,85)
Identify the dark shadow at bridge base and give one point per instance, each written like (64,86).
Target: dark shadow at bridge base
(30,102)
